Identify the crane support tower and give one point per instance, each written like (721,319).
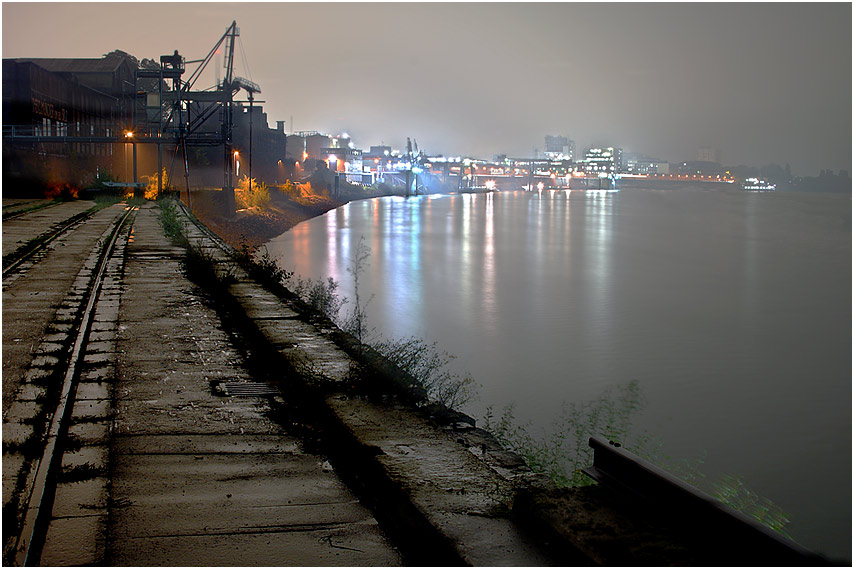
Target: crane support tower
(176,113)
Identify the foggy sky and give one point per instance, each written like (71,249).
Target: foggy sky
(763,83)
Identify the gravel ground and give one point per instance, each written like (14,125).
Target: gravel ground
(253,227)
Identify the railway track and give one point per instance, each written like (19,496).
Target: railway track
(20,209)
(36,422)
(88,431)
(32,245)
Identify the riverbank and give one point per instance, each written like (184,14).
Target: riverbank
(252,227)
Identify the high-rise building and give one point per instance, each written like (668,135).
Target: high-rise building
(559,148)
(603,159)
(708,154)
(640,164)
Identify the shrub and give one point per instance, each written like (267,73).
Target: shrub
(428,367)
(320,295)
(251,193)
(151,192)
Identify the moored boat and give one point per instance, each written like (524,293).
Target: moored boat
(757,185)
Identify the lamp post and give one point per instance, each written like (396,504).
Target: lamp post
(130,136)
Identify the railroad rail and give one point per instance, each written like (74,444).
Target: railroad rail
(38,496)
(21,209)
(15,259)
(697,512)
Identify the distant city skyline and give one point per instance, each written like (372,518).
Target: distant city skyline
(761,83)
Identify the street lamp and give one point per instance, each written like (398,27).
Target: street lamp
(129,136)
(237,165)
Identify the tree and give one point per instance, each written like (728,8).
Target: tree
(124,55)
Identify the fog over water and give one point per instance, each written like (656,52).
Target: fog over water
(762,82)
(732,310)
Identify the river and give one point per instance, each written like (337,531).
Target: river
(731,310)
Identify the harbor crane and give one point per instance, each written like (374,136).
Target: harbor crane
(180,112)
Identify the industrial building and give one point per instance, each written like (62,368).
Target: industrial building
(71,121)
(61,119)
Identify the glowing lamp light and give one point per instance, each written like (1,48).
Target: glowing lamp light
(417,170)
(490,184)
(129,134)
(540,186)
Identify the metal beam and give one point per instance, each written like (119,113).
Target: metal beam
(616,468)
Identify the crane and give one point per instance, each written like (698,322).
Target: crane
(186,130)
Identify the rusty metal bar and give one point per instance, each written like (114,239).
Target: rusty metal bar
(692,510)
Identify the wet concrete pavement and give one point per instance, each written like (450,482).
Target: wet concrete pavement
(202,479)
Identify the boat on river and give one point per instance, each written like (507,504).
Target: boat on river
(757,185)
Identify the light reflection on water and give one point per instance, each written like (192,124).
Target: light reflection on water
(732,310)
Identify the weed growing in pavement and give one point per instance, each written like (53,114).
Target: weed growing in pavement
(320,295)
(81,472)
(356,323)
(263,268)
(563,454)
(429,369)
(105,199)
(170,222)
(201,267)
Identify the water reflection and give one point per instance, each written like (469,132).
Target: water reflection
(732,311)
(488,284)
(599,215)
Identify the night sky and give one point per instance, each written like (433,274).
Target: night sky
(763,83)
